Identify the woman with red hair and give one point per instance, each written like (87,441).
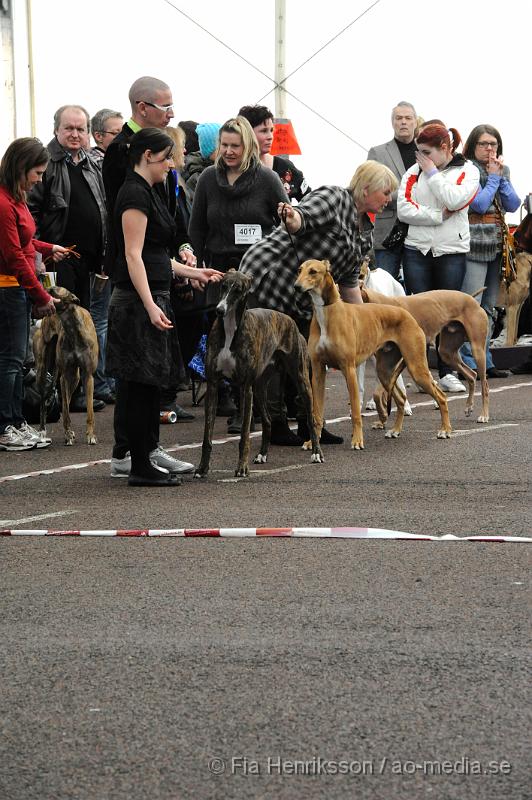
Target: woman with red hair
(433,200)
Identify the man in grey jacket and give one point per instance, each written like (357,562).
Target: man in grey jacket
(399,154)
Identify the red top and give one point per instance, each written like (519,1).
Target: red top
(17,247)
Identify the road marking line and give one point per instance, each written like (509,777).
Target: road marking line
(483,428)
(226,439)
(264,472)
(39,516)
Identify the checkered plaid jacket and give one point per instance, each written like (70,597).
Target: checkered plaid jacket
(329,230)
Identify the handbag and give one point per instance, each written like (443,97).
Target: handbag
(508,268)
(396,238)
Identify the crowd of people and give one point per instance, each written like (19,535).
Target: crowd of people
(142,226)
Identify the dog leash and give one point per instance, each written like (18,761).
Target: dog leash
(283,217)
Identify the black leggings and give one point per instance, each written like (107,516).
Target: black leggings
(136,423)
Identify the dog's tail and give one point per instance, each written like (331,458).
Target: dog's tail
(399,367)
(479,291)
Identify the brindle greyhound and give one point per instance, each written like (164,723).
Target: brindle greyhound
(66,345)
(343,335)
(246,345)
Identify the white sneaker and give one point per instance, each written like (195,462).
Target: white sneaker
(161,458)
(500,341)
(39,438)
(450,383)
(121,467)
(525,340)
(11,439)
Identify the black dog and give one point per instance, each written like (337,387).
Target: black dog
(246,345)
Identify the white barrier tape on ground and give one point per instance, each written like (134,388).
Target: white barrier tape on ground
(294,533)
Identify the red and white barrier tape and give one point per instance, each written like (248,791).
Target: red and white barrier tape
(294,533)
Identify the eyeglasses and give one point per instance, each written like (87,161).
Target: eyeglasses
(485,145)
(169,107)
(110,133)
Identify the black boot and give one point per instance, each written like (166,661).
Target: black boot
(282,435)
(226,405)
(326,436)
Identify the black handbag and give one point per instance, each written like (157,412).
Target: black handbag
(396,238)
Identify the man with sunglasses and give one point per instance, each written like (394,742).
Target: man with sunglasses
(151,107)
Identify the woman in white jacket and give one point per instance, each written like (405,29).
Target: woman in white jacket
(433,200)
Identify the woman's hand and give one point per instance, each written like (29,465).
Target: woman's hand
(425,163)
(206,274)
(495,165)
(158,318)
(38,312)
(187,257)
(290,217)
(59,253)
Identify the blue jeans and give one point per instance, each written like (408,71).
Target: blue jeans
(425,273)
(390,261)
(99,308)
(14,336)
(477,275)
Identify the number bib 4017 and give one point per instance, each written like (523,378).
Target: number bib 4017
(247,234)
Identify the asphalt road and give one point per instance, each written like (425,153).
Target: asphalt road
(164,669)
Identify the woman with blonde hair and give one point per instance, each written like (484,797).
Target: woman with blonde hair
(330,223)
(235,205)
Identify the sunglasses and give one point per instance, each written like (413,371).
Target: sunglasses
(168,107)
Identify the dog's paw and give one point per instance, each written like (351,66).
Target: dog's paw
(483,419)
(317,458)
(408,409)
(371,405)
(468,411)
(307,445)
(443,434)
(378,426)
(435,405)
(357,445)
(392,434)
(200,475)
(260,458)
(242,472)
(91,439)
(70,438)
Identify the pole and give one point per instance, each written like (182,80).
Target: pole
(280,95)
(31,76)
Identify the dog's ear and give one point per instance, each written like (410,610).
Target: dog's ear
(327,265)
(364,293)
(75,299)
(232,269)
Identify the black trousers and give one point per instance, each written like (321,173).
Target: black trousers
(136,422)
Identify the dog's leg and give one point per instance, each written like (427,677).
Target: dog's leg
(421,374)
(452,338)
(318,399)
(299,373)
(357,436)
(479,354)
(211,400)
(69,381)
(259,393)
(89,395)
(246,404)
(389,365)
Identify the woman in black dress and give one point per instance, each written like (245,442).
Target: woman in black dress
(142,342)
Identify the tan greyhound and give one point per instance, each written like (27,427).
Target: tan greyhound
(343,335)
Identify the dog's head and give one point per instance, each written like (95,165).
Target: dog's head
(67,298)
(314,275)
(234,290)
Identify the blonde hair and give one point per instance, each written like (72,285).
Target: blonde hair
(242,128)
(372,177)
(178,136)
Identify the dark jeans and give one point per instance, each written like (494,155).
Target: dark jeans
(425,273)
(390,260)
(99,309)
(14,335)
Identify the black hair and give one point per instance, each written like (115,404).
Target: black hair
(255,115)
(148,139)
(191,137)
